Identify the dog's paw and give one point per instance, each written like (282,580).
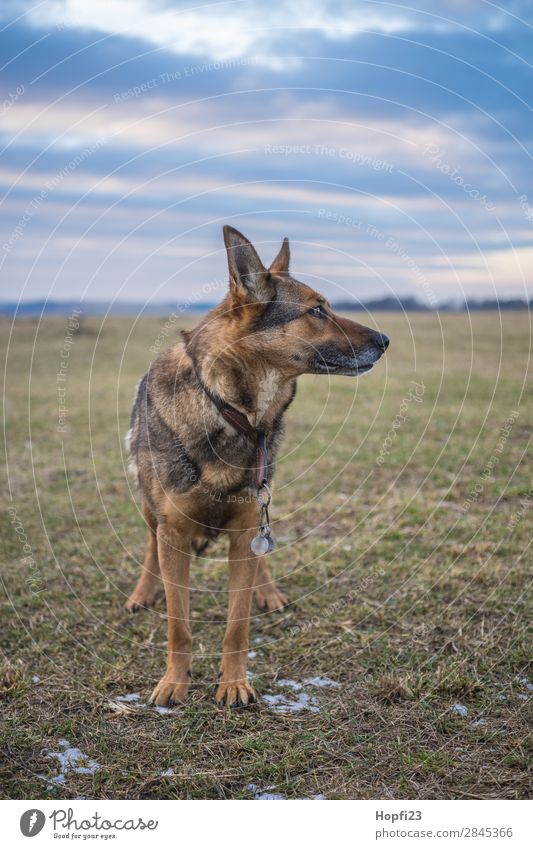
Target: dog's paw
(169,692)
(268,597)
(139,600)
(235,694)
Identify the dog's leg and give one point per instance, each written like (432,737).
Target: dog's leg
(174,550)
(267,595)
(143,594)
(234,688)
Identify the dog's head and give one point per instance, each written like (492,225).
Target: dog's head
(286,323)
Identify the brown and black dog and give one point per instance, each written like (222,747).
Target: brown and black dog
(196,420)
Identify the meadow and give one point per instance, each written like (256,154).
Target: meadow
(403,514)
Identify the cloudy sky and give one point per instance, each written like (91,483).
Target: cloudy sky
(390,142)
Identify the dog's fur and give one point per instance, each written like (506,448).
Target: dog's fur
(196,471)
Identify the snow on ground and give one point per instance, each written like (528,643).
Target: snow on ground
(70,759)
(292,703)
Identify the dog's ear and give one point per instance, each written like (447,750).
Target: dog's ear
(281,264)
(249,279)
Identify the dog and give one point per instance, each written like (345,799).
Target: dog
(206,426)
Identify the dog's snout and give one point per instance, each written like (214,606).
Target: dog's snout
(381,341)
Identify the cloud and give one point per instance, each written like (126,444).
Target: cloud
(271,116)
(236,28)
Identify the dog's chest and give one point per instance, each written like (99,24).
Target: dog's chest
(228,459)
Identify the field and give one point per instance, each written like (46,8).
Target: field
(403,512)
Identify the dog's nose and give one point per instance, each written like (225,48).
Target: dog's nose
(381,341)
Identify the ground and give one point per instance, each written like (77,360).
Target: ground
(403,516)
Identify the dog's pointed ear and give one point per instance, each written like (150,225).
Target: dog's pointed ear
(249,279)
(281,264)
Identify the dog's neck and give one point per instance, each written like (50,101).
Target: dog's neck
(232,376)
(254,393)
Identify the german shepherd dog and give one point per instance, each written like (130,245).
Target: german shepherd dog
(206,426)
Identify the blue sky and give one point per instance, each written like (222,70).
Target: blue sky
(391,143)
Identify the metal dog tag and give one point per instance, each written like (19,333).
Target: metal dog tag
(260,545)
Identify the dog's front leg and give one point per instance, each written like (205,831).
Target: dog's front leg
(267,595)
(234,689)
(174,553)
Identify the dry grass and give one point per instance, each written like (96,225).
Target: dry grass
(408,580)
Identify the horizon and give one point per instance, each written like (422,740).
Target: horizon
(123,307)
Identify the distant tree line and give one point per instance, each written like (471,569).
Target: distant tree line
(26,309)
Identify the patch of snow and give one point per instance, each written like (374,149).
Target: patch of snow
(36,680)
(269,795)
(479,722)
(71,759)
(265,792)
(462,710)
(288,682)
(284,704)
(134,697)
(252,654)
(320,681)
(168,771)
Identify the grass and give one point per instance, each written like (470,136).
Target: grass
(403,517)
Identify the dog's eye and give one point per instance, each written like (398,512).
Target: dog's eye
(318,311)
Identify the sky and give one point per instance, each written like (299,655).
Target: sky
(391,143)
